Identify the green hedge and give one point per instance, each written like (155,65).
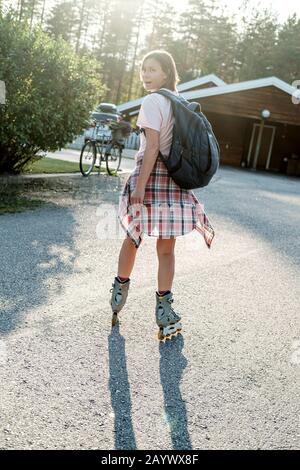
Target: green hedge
(50,92)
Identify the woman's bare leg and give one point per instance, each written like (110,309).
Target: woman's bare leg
(166,262)
(126,258)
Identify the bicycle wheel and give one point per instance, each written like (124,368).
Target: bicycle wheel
(87,158)
(113,161)
(101,149)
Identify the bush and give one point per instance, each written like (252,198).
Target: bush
(50,92)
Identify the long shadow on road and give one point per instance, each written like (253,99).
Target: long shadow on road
(120,392)
(172,364)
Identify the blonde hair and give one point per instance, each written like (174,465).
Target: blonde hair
(167,64)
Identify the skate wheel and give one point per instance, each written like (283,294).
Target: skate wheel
(162,340)
(160,335)
(114,319)
(167,338)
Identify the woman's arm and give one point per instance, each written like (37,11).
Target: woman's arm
(149,159)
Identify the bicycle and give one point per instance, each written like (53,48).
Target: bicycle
(120,130)
(90,148)
(113,155)
(113,149)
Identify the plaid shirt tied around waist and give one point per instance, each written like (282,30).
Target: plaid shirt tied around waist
(168,211)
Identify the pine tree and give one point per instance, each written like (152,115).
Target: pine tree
(255,52)
(29,10)
(115,48)
(287,50)
(62,20)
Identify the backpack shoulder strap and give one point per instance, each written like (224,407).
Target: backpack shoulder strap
(171,96)
(193,106)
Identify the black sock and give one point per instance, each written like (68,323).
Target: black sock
(122,279)
(162,293)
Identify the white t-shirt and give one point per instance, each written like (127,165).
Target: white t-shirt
(156,113)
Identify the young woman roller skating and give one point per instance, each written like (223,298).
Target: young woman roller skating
(148,190)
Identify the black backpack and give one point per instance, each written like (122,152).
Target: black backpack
(195,153)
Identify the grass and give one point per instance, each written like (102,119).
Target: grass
(50,165)
(15,203)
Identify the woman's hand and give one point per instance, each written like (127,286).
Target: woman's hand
(137,196)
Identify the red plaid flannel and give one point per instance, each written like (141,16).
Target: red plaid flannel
(167,211)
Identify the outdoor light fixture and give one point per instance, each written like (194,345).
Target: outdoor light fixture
(265,114)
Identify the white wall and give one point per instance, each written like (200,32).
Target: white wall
(132,142)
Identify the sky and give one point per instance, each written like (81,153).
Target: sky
(283,7)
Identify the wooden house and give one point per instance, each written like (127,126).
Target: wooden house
(256,122)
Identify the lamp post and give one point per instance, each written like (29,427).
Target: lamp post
(265,114)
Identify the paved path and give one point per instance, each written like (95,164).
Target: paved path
(230,381)
(71,155)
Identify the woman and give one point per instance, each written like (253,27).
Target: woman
(151,202)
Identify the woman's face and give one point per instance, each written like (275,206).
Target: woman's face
(152,75)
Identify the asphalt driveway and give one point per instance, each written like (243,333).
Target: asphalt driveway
(230,381)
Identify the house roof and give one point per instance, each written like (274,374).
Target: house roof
(227,88)
(241,86)
(181,88)
(201,81)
